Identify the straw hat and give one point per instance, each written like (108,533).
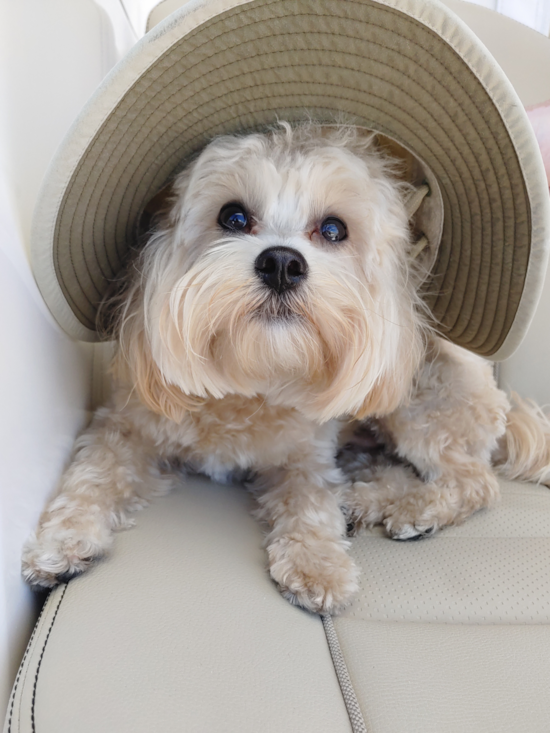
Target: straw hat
(409,69)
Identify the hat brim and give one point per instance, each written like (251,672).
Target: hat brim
(409,69)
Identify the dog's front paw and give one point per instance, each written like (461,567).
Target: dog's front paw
(413,519)
(53,558)
(316,574)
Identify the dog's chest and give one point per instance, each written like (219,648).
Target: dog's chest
(244,433)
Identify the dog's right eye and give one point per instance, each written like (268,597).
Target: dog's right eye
(234,218)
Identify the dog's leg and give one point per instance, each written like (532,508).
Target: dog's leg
(460,489)
(112,474)
(306,543)
(448,431)
(376,489)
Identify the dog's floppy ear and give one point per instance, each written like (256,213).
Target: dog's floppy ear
(134,364)
(396,371)
(371,383)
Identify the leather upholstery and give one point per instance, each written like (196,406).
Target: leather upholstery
(449,678)
(182,630)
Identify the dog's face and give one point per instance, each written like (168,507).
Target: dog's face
(282,271)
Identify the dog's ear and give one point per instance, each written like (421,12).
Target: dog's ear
(393,386)
(134,364)
(370,360)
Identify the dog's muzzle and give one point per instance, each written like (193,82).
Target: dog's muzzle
(281,268)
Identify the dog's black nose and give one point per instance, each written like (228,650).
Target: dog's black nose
(281,268)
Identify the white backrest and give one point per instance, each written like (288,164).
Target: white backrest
(53,55)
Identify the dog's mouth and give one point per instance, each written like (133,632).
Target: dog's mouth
(278,308)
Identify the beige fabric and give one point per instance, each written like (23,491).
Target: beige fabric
(523,54)
(181,630)
(53,56)
(403,67)
(162,11)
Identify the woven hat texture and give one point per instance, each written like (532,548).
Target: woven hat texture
(408,69)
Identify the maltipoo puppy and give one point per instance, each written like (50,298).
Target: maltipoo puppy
(276,302)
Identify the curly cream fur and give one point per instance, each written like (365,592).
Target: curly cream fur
(215,372)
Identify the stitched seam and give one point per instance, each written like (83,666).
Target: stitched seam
(40,659)
(346,687)
(346,99)
(21,666)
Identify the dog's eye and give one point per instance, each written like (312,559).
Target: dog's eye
(234,218)
(333,230)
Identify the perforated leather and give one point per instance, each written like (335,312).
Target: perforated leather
(453,633)
(495,568)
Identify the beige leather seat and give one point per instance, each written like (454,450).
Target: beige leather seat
(182,630)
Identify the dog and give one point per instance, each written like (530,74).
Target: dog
(272,324)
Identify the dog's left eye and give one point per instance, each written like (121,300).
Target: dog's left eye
(234,218)
(333,230)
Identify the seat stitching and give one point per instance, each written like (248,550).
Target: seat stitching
(40,660)
(21,666)
(348,693)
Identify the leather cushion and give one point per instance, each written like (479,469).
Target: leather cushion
(179,630)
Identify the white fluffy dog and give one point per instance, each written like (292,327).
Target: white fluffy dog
(276,302)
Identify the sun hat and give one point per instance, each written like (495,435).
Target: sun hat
(410,70)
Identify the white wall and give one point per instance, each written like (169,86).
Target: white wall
(53,55)
(534,13)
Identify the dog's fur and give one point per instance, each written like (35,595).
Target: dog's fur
(217,371)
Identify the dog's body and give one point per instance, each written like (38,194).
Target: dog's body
(276,303)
